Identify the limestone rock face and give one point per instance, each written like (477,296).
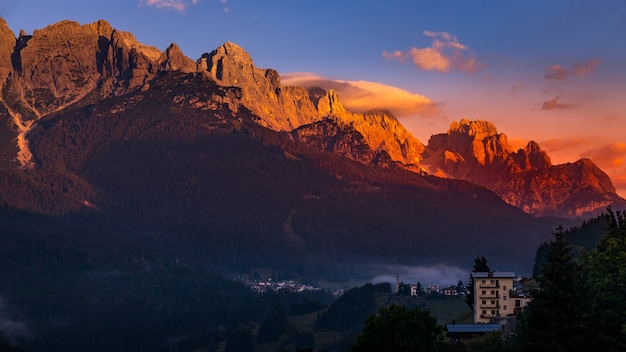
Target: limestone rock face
(173,59)
(289,108)
(57,65)
(230,65)
(64,62)
(7,44)
(476,152)
(330,136)
(568,190)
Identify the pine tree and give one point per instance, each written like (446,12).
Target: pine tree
(607,280)
(480,265)
(555,319)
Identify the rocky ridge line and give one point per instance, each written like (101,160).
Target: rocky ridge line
(476,152)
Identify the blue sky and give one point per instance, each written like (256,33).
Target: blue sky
(550,71)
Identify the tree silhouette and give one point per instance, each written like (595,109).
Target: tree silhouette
(607,280)
(480,265)
(555,320)
(395,328)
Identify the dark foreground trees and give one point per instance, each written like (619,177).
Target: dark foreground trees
(555,318)
(580,305)
(607,282)
(395,328)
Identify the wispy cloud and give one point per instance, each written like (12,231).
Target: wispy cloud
(446,53)
(361,96)
(225,8)
(436,274)
(555,104)
(178,5)
(577,69)
(558,145)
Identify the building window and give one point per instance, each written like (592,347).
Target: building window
(484,311)
(484,292)
(497,282)
(504,288)
(493,302)
(504,298)
(518,303)
(504,307)
(493,312)
(484,302)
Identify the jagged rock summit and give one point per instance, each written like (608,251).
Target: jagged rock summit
(287,108)
(476,152)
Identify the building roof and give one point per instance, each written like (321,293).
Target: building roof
(472,328)
(498,274)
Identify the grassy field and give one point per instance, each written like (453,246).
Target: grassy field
(444,308)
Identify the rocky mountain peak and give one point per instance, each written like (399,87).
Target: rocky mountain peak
(476,152)
(102,27)
(330,104)
(478,129)
(173,59)
(7,44)
(127,40)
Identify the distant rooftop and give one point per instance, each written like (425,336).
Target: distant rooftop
(472,328)
(493,274)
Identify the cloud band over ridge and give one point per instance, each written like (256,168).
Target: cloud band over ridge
(361,96)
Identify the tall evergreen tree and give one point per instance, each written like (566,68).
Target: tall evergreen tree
(480,265)
(607,280)
(555,320)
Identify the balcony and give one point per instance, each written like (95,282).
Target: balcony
(489,285)
(490,296)
(490,306)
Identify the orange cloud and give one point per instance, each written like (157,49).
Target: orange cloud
(178,5)
(362,96)
(566,149)
(609,155)
(577,69)
(444,54)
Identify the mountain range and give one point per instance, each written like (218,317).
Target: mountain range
(215,157)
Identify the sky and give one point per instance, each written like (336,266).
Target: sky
(549,71)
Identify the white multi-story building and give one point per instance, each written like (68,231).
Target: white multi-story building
(493,296)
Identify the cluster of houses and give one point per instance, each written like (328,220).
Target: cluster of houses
(499,297)
(268,285)
(415,290)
